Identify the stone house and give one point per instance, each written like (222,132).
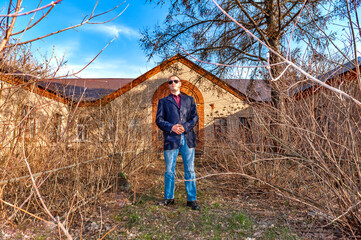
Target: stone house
(29,111)
(123,114)
(222,108)
(102,114)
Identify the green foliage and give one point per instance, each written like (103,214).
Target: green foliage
(212,222)
(40,238)
(279,233)
(240,221)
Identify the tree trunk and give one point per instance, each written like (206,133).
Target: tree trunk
(273,36)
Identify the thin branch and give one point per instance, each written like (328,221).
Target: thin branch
(17,14)
(95,56)
(225,65)
(9,28)
(338,91)
(86,21)
(34,24)
(306,201)
(256,26)
(110,11)
(293,29)
(354,45)
(338,49)
(19,208)
(40,197)
(343,214)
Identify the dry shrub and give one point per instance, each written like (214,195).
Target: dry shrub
(74,154)
(307,149)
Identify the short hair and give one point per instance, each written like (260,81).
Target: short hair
(173,76)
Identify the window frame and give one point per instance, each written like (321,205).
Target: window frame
(81,130)
(220,129)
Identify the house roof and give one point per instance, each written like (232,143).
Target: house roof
(328,77)
(84,89)
(258,90)
(75,93)
(31,84)
(66,90)
(93,83)
(347,67)
(255,89)
(100,91)
(159,68)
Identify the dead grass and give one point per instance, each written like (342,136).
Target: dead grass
(227,213)
(315,163)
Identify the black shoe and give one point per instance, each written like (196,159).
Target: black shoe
(193,205)
(166,202)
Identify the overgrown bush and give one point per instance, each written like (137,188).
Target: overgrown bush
(308,151)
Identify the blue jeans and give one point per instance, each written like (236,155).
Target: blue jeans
(170,157)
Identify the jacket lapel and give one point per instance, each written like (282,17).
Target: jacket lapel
(183,107)
(172,100)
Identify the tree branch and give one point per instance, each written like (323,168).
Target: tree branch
(10,28)
(87,21)
(263,36)
(39,20)
(17,14)
(342,93)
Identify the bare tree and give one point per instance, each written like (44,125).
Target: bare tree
(208,34)
(319,162)
(7,22)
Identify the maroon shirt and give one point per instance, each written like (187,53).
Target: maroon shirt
(177,98)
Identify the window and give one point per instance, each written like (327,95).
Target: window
(108,130)
(220,128)
(245,128)
(6,130)
(57,123)
(135,128)
(244,123)
(29,122)
(81,130)
(321,119)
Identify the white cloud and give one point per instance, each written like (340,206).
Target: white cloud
(54,55)
(66,49)
(114,30)
(106,69)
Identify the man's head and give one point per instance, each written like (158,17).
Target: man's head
(174,84)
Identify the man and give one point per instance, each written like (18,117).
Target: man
(176,117)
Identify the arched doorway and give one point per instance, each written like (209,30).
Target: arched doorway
(190,90)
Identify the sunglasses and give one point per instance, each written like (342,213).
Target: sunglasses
(173,81)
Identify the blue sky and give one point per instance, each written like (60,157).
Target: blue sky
(123,58)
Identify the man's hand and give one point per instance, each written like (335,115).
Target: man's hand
(178,129)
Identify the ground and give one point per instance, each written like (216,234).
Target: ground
(227,212)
